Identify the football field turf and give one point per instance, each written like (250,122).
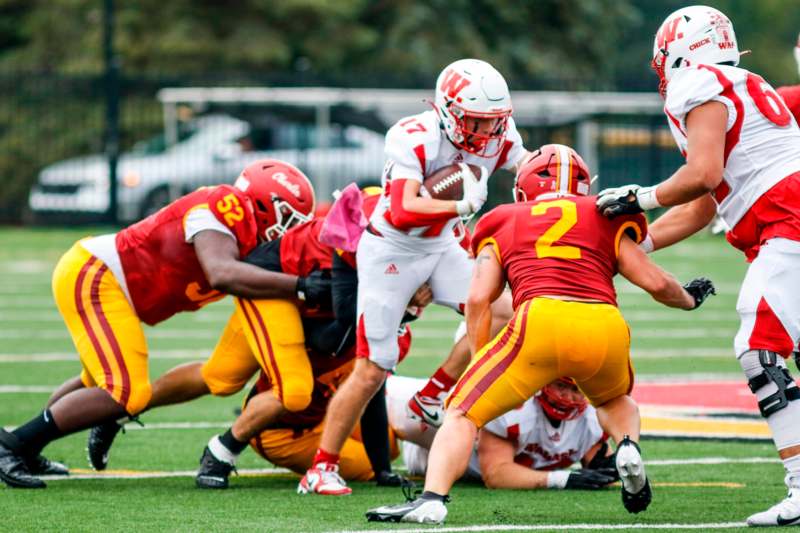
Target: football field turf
(150,485)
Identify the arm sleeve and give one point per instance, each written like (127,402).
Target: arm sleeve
(375,432)
(338,335)
(403,219)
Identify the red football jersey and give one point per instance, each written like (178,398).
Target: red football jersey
(161,269)
(301,251)
(558,246)
(791,95)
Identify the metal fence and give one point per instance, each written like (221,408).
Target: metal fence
(54,132)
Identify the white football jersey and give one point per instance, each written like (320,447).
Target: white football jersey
(538,444)
(762,144)
(416,147)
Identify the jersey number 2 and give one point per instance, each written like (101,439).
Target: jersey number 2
(569,217)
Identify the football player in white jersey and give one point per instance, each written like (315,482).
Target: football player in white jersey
(528,448)
(409,240)
(742,150)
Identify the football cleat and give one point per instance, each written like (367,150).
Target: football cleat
(784,513)
(213,473)
(426,409)
(420,510)
(636,493)
(324,479)
(99,443)
(13,470)
(42,466)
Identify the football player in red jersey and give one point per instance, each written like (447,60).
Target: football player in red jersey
(742,150)
(559,255)
(178,259)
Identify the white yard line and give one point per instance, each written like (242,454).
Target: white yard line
(550,527)
(134,474)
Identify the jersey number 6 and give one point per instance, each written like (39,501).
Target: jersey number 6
(569,217)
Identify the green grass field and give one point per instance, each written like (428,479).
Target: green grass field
(36,355)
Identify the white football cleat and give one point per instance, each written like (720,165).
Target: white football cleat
(636,494)
(421,511)
(323,479)
(426,409)
(784,513)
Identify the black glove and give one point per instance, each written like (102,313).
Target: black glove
(699,289)
(605,464)
(390,479)
(617,201)
(585,479)
(315,289)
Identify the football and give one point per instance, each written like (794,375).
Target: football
(447,182)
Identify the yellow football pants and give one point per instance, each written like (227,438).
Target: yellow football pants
(547,339)
(104,328)
(266,334)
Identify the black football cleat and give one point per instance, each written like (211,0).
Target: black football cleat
(213,473)
(42,466)
(13,470)
(636,493)
(99,443)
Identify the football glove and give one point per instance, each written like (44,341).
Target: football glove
(585,479)
(315,289)
(700,289)
(605,464)
(626,200)
(475,191)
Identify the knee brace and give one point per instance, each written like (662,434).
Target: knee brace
(773,370)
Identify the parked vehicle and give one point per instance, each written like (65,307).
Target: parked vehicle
(211,149)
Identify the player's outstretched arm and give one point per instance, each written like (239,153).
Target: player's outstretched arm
(499,471)
(680,222)
(219,257)
(706,126)
(637,268)
(486,286)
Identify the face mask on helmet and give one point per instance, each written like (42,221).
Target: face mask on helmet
(691,36)
(281,196)
(555,169)
(562,400)
(473,104)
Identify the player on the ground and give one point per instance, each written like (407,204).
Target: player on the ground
(527,448)
(409,239)
(559,255)
(791,93)
(179,259)
(742,150)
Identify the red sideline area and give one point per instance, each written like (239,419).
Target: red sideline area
(733,396)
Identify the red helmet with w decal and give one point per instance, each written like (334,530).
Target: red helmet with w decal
(562,400)
(280,194)
(553,168)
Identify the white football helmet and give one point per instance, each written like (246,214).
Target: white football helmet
(797,53)
(473,89)
(691,36)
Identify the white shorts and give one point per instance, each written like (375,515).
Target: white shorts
(387,279)
(769,300)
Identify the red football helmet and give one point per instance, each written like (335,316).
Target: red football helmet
(280,194)
(562,400)
(553,168)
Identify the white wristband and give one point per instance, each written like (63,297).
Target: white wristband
(557,479)
(647,198)
(647,245)
(464,208)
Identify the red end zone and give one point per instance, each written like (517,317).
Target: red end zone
(701,409)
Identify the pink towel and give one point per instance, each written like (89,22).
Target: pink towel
(345,222)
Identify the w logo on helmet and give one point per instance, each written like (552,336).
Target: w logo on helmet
(453,83)
(668,32)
